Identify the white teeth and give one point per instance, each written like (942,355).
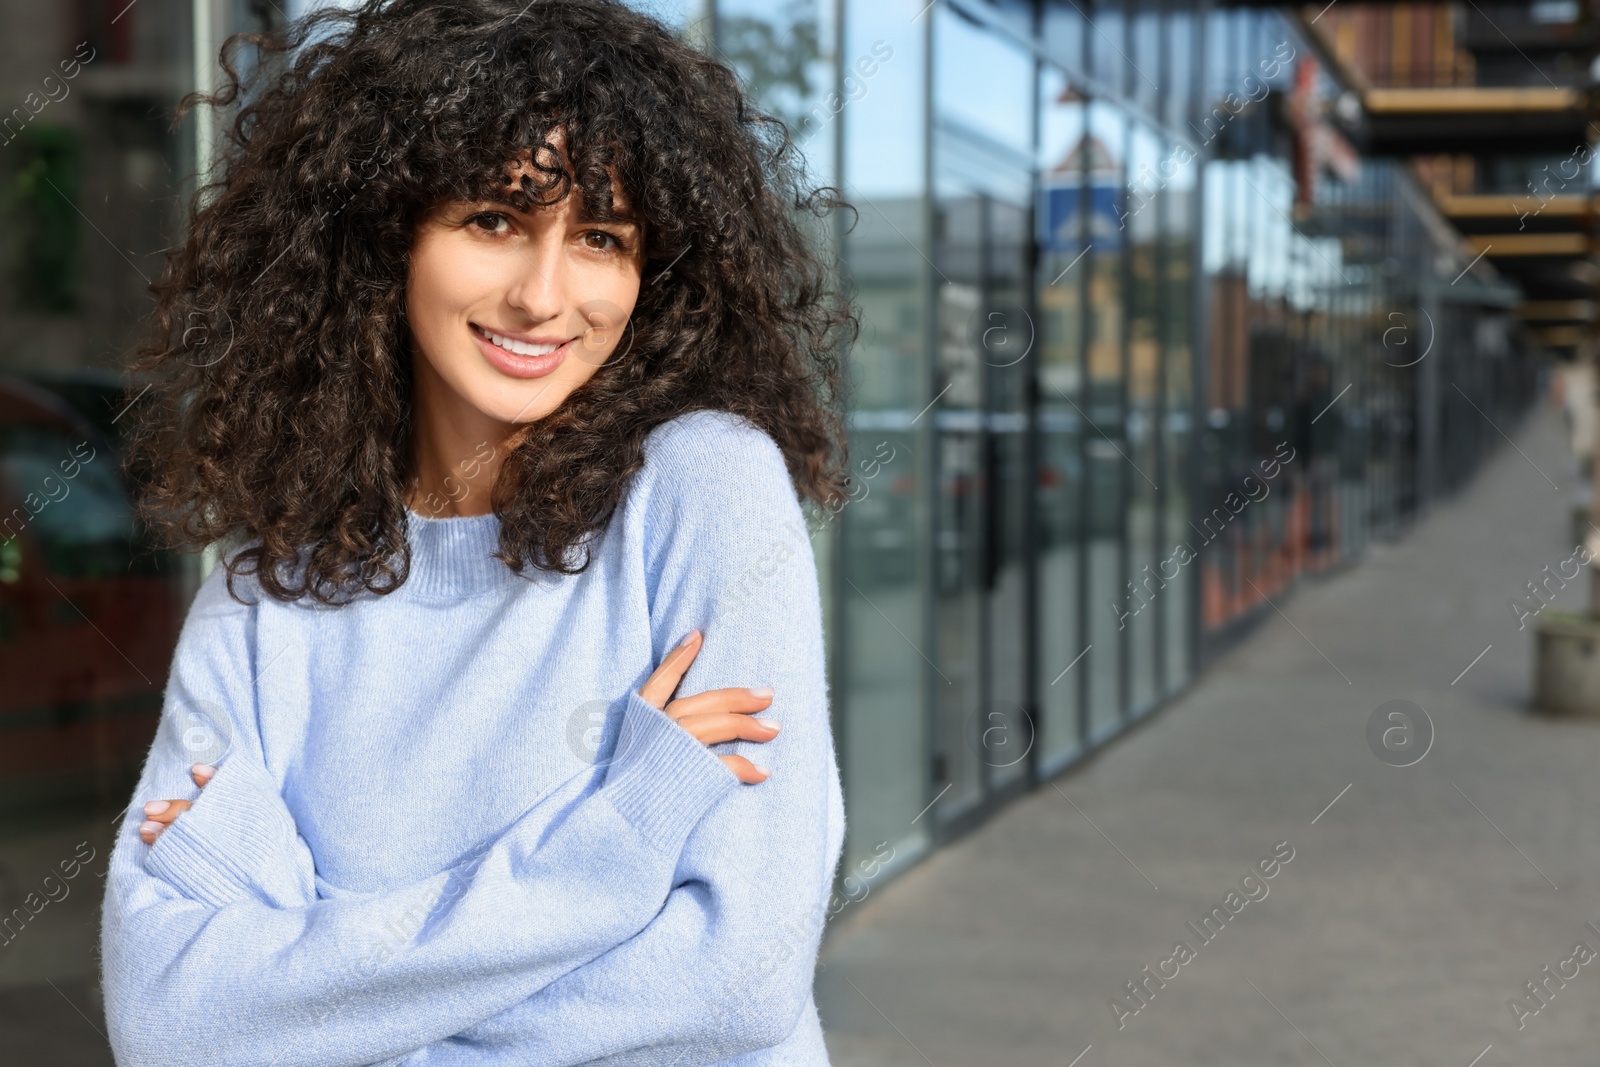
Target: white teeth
(520,348)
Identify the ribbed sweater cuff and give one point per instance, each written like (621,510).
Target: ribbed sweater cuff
(661,778)
(213,852)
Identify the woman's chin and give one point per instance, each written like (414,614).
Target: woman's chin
(523,410)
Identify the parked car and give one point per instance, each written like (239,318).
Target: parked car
(89,612)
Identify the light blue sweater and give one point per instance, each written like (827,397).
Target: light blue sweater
(445,829)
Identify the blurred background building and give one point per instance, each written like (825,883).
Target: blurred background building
(1167,305)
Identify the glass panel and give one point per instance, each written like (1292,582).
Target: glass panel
(959,519)
(883,737)
(1224,437)
(1064,31)
(981,81)
(1266,563)
(1149,79)
(1222,44)
(1144,600)
(986,334)
(1006,342)
(1108,46)
(1106,450)
(1177,566)
(1062,225)
(799,89)
(1178,66)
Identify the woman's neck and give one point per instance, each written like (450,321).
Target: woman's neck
(456,455)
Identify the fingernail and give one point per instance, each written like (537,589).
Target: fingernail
(769,724)
(204,770)
(764,772)
(690,636)
(156,807)
(150,828)
(763,691)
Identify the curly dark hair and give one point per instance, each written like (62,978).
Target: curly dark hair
(280,362)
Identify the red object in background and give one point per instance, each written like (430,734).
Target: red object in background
(85,640)
(1317,145)
(1303,116)
(108,27)
(1226,594)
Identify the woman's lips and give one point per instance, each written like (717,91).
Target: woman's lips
(513,365)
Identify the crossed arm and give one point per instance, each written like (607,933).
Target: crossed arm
(719,886)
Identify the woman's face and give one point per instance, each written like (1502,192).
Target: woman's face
(513,311)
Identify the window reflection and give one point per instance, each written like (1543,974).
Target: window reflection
(89,191)
(784,52)
(882,582)
(1178,65)
(1062,236)
(1150,79)
(1144,599)
(1108,46)
(1174,567)
(91,187)
(983,232)
(1064,31)
(1105,445)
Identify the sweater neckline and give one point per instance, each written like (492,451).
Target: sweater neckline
(452,556)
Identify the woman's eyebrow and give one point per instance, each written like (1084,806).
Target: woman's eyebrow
(616,218)
(468,203)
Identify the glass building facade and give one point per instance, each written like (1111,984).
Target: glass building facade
(1144,342)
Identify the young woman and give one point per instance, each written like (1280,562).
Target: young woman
(496,358)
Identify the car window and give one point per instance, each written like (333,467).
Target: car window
(80,513)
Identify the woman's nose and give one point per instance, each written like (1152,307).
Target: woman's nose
(537,285)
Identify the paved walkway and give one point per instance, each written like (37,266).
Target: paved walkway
(1412,910)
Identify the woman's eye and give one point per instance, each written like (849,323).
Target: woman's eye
(489,221)
(600,240)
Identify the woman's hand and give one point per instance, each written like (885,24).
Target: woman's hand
(713,716)
(159,814)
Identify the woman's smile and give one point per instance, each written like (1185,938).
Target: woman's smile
(518,357)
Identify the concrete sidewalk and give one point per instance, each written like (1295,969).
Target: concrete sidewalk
(1413,909)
